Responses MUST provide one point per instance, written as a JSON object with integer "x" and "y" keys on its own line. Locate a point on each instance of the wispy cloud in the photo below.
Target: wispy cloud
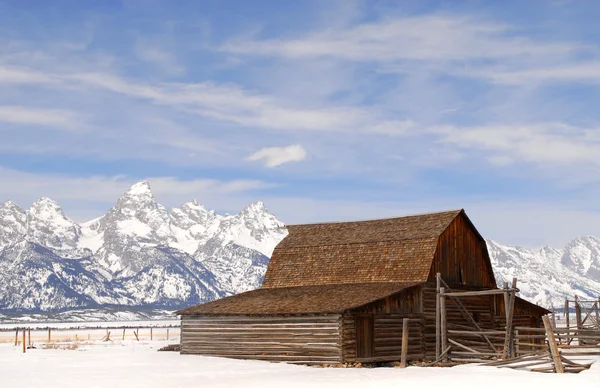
{"x": 540, "y": 143}
{"x": 427, "y": 37}
{"x": 276, "y": 156}
{"x": 56, "y": 118}
{"x": 149, "y": 51}
{"x": 23, "y": 186}
{"x": 224, "y": 102}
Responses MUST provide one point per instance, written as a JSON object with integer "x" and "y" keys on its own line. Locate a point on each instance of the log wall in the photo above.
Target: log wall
{"x": 387, "y": 338}
{"x": 388, "y": 314}
{"x": 306, "y": 339}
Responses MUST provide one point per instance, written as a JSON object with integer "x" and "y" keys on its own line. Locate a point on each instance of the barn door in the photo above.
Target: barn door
{"x": 365, "y": 340}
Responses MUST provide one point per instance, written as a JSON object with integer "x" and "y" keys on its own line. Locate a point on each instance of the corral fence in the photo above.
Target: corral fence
{"x": 514, "y": 345}
{"x": 31, "y": 337}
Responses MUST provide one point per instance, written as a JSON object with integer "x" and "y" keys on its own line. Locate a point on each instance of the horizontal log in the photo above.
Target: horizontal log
{"x": 241, "y": 330}
{"x": 262, "y": 350}
{"x": 262, "y": 317}
{"x": 476, "y": 333}
{"x": 417, "y": 356}
{"x": 276, "y": 357}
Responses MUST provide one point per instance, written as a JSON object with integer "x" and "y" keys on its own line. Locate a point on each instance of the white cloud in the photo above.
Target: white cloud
{"x": 539, "y": 73}
{"x": 12, "y": 75}
{"x": 276, "y": 156}
{"x": 537, "y": 143}
{"x": 58, "y": 118}
{"x": 223, "y": 102}
{"x": 25, "y": 187}
{"x": 426, "y": 37}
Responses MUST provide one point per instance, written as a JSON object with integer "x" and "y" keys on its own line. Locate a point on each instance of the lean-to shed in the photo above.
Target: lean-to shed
{"x": 338, "y": 292}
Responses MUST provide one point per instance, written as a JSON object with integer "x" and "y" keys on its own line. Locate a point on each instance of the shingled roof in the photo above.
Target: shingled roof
{"x": 321, "y": 299}
{"x": 396, "y": 250}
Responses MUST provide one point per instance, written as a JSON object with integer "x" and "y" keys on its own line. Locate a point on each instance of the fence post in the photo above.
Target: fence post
{"x": 24, "y": 341}
{"x": 578, "y": 320}
{"x": 404, "y": 342}
{"x": 509, "y": 303}
{"x": 29, "y": 336}
{"x": 151, "y": 334}
{"x": 17, "y": 337}
{"x": 567, "y": 321}
{"x": 49, "y": 335}
{"x": 444, "y": 330}
{"x": 167, "y": 334}
{"x": 558, "y": 366}
{"x": 598, "y": 313}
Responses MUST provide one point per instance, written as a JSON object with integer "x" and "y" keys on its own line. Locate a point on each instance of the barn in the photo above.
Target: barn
{"x": 338, "y": 292}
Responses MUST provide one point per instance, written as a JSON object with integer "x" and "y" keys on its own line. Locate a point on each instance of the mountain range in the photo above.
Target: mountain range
{"x": 137, "y": 254}
{"x": 140, "y": 254}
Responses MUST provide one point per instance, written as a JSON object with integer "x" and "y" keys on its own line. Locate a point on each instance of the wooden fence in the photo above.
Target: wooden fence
{"x": 472, "y": 342}
{"x": 29, "y": 337}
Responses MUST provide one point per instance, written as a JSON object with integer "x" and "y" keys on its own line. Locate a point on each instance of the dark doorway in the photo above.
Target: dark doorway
{"x": 364, "y": 337}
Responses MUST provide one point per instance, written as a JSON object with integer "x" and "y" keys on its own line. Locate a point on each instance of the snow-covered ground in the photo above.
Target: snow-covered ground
{"x": 139, "y": 364}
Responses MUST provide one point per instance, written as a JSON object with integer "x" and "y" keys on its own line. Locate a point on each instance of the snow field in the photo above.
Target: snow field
{"x": 138, "y": 364}
{"x": 90, "y": 332}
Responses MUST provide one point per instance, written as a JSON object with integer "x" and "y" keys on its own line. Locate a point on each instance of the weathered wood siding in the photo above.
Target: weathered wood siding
{"x": 462, "y": 257}
{"x": 387, "y": 314}
{"x": 309, "y": 339}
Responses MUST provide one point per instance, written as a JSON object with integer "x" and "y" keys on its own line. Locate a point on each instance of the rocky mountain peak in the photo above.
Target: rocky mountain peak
{"x": 10, "y": 205}
{"x": 13, "y": 223}
{"x": 583, "y": 256}
{"x": 137, "y": 197}
{"x": 48, "y": 226}
{"x": 46, "y": 208}
{"x": 9, "y": 208}
{"x": 255, "y": 207}
{"x": 140, "y": 189}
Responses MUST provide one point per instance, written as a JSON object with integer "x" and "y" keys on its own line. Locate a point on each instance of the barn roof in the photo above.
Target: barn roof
{"x": 388, "y": 250}
{"x": 320, "y": 299}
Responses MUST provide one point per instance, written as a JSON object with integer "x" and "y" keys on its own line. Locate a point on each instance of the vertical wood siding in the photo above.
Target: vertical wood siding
{"x": 461, "y": 256}
{"x": 307, "y": 339}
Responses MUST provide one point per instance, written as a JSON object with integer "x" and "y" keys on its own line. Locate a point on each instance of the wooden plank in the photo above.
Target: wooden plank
{"x": 404, "y": 342}
{"x": 463, "y": 346}
{"x": 558, "y": 366}
{"x": 480, "y": 293}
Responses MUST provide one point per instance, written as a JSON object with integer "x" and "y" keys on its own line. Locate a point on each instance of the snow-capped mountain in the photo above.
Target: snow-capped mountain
{"x": 550, "y": 275}
{"x": 137, "y": 254}
{"x": 141, "y": 254}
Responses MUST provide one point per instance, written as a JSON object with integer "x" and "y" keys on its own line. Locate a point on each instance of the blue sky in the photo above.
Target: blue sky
{"x": 324, "y": 110}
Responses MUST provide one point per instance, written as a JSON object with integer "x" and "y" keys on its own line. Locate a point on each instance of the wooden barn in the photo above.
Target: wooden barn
{"x": 338, "y": 292}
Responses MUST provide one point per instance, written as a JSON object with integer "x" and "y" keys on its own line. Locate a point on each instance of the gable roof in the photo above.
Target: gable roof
{"x": 321, "y": 299}
{"x": 397, "y": 250}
